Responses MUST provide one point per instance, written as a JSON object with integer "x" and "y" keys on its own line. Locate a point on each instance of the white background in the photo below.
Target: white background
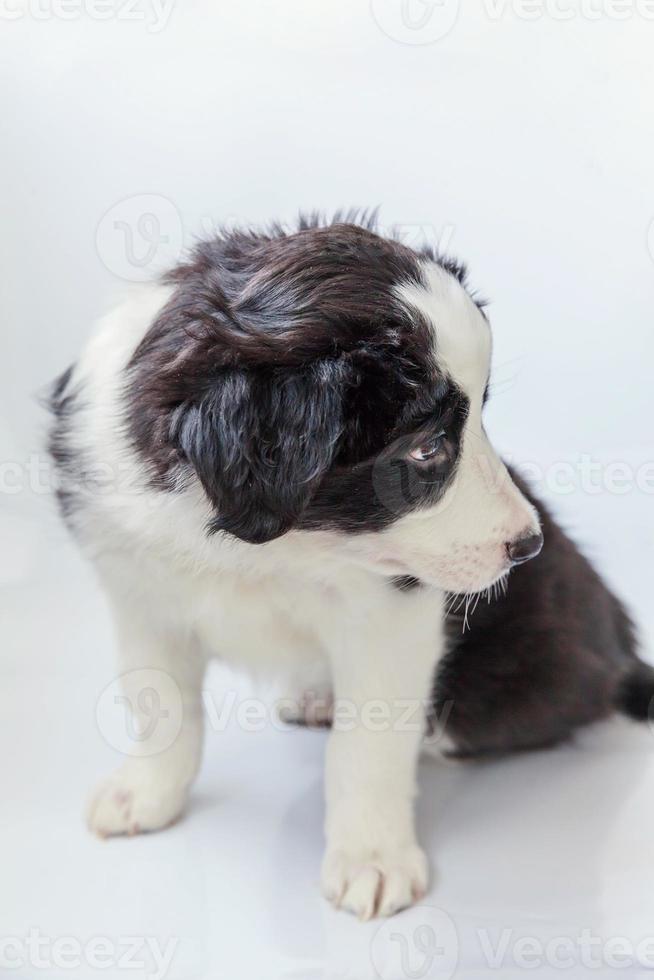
{"x": 521, "y": 140}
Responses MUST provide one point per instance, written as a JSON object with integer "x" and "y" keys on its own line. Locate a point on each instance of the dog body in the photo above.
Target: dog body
{"x": 277, "y": 458}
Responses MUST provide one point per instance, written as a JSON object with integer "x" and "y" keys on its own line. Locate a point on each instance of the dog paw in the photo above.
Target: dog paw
{"x": 131, "y": 801}
{"x": 371, "y": 883}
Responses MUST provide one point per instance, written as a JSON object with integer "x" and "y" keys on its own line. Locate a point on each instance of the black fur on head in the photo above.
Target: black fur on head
{"x": 260, "y": 441}
{"x": 281, "y": 364}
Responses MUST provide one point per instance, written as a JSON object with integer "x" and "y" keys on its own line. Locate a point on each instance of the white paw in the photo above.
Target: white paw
{"x": 133, "y": 800}
{"x": 370, "y": 883}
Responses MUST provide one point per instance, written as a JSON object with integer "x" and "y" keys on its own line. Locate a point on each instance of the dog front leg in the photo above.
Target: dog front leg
{"x": 383, "y": 672}
{"x": 158, "y": 703}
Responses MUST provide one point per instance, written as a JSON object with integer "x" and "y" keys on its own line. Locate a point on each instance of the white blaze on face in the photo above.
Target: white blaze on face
{"x": 460, "y": 543}
{"x": 462, "y": 337}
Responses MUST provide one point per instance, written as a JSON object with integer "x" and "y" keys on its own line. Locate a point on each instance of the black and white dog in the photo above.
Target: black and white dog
{"x": 303, "y": 483}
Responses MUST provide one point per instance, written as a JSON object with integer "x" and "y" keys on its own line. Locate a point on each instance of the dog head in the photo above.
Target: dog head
{"x": 331, "y": 379}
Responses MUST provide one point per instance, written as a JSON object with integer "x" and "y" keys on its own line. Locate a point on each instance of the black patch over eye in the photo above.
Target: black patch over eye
{"x": 376, "y": 491}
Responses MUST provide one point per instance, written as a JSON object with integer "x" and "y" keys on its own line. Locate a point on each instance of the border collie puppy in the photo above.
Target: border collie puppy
{"x": 276, "y": 457}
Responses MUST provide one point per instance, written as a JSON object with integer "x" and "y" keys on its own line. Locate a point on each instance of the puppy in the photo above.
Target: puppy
{"x": 276, "y": 457}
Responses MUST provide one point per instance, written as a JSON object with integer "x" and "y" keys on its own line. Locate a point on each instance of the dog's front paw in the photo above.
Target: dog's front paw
{"x": 133, "y": 800}
{"x": 369, "y": 882}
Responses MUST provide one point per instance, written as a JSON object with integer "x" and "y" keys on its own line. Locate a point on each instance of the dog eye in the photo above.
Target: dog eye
{"x": 429, "y": 449}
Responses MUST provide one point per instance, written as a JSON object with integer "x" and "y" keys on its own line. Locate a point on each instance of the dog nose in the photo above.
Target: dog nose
{"x": 522, "y": 549}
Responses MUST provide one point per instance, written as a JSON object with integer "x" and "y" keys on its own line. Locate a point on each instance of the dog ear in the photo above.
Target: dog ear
{"x": 260, "y": 440}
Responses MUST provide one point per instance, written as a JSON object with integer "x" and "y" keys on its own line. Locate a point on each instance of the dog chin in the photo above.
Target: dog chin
{"x": 443, "y": 573}
{"x": 453, "y": 582}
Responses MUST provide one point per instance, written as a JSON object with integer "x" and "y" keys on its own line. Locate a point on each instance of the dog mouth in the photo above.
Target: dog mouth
{"x": 455, "y": 580}
{"x": 468, "y": 575}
